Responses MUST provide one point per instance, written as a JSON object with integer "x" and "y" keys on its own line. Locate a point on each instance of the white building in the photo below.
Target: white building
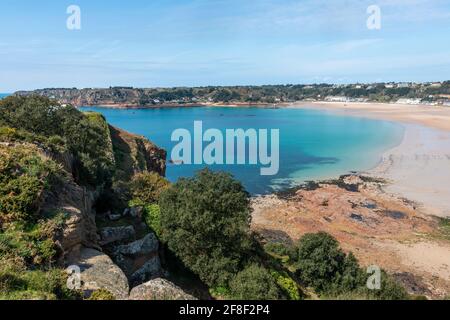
{"x": 336, "y": 99}
{"x": 408, "y": 101}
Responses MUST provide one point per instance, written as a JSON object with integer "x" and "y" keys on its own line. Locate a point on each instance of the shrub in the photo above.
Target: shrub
{"x": 86, "y": 136}
{"x": 287, "y": 285}
{"x": 283, "y": 252}
{"x": 254, "y": 283}
{"x": 320, "y": 260}
{"x": 390, "y": 290}
{"x": 205, "y": 221}
{"x": 35, "y": 284}
{"x": 146, "y": 187}
{"x": 152, "y": 217}
{"x": 325, "y": 267}
{"x": 24, "y": 175}
{"x": 102, "y": 294}
{"x": 221, "y": 292}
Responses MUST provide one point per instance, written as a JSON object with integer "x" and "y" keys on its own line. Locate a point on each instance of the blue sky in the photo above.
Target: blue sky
{"x": 221, "y": 42}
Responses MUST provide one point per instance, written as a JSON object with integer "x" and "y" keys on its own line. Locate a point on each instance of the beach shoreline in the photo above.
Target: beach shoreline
{"x": 417, "y": 169}
{"x": 415, "y": 189}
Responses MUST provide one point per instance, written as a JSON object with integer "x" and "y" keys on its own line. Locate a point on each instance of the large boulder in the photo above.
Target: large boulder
{"x": 111, "y": 235}
{"x": 98, "y": 271}
{"x": 80, "y": 228}
{"x": 159, "y": 289}
{"x": 147, "y": 245}
{"x": 139, "y": 259}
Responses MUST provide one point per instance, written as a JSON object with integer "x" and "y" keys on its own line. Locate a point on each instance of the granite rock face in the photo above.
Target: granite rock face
{"x": 110, "y": 235}
{"x": 98, "y": 271}
{"x": 139, "y": 259}
{"x": 159, "y": 289}
{"x": 80, "y": 228}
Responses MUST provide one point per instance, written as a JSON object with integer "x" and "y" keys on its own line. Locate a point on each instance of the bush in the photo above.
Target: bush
{"x": 320, "y": 260}
{"x": 205, "y": 221}
{"x": 254, "y": 283}
{"x": 147, "y": 187}
{"x": 287, "y": 285}
{"x": 325, "y": 267}
{"x": 282, "y": 252}
{"x": 102, "y": 294}
{"x": 36, "y": 284}
{"x": 390, "y": 290}
{"x": 24, "y": 175}
{"x": 152, "y": 217}
{"x": 87, "y": 136}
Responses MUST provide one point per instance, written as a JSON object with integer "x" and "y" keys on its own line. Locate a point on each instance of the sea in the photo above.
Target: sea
{"x": 313, "y": 144}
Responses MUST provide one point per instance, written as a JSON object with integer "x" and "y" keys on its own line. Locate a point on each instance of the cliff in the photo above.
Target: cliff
{"x": 58, "y": 169}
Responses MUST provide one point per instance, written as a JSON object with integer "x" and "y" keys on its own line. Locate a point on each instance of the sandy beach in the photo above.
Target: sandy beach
{"x": 419, "y": 168}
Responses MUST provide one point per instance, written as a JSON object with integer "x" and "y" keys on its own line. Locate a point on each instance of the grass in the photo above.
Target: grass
{"x": 444, "y": 228}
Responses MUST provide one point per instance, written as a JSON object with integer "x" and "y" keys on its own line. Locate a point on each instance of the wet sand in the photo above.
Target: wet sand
{"x": 419, "y": 168}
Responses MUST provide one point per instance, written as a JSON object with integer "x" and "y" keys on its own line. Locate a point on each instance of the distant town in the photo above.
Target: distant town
{"x": 428, "y": 93}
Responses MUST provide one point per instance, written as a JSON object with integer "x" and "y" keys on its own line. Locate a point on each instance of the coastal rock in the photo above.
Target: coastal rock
{"x": 147, "y": 245}
{"x": 99, "y": 272}
{"x": 159, "y": 289}
{"x": 136, "y": 212}
{"x": 137, "y": 155}
{"x": 139, "y": 259}
{"x": 110, "y": 235}
{"x": 151, "y": 269}
{"x": 353, "y": 180}
{"x": 80, "y": 228}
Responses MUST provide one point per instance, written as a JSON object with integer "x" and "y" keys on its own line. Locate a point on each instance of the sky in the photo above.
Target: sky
{"x": 151, "y": 43}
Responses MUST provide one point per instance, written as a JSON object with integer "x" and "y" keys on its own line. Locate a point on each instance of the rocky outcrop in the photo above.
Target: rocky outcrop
{"x": 136, "y": 154}
{"x": 139, "y": 259}
{"x": 98, "y": 271}
{"x": 110, "y": 235}
{"x": 80, "y": 228}
{"x": 159, "y": 289}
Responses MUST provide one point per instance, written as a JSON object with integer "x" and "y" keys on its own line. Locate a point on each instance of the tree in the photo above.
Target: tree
{"x": 205, "y": 221}
{"x": 254, "y": 283}
{"x": 320, "y": 260}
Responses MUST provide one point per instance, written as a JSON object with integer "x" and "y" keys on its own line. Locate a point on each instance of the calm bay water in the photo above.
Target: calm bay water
{"x": 4, "y": 95}
{"x": 313, "y": 144}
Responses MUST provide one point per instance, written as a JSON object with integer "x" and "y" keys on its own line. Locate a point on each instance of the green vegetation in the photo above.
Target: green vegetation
{"x": 146, "y": 188}
{"x": 324, "y": 266}
{"x": 61, "y": 127}
{"x": 28, "y": 248}
{"x": 20, "y": 284}
{"x": 288, "y": 285}
{"x": 444, "y": 227}
{"x": 24, "y": 175}
{"x": 152, "y": 217}
{"x": 43, "y": 136}
{"x": 284, "y": 253}
{"x": 102, "y": 294}
{"x": 205, "y": 221}
{"x": 267, "y": 94}
{"x": 254, "y": 283}
{"x": 332, "y": 273}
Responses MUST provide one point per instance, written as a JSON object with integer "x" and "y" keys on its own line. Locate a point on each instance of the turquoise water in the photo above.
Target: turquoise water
{"x": 3, "y": 95}
{"x": 313, "y": 144}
